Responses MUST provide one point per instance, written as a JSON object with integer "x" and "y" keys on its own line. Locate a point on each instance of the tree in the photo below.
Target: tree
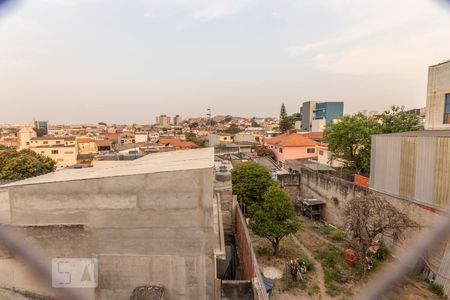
{"x": 275, "y": 218}
{"x": 283, "y": 113}
{"x": 350, "y": 140}
{"x": 193, "y": 125}
{"x": 250, "y": 181}
{"x": 3, "y": 147}
{"x": 264, "y": 151}
{"x": 289, "y": 122}
{"x": 254, "y": 123}
{"x": 398, "y": 120}
{"x": 233, "y": 129}
{"x": 368, "y": 219}
{"x": 192, "y": 137}
{"x": 24, "y": 164}
{"x": 102, "y": 123}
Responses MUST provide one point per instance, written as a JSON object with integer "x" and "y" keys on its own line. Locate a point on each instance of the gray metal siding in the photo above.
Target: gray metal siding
{"x": 386, "y": 169}
{"x": 425, "y": 163}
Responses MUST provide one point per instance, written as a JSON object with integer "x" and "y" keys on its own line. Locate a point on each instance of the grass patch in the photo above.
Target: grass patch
{"x": 333, "y": 233}
{"x": 312, "y": 290}
{"x": 334, "y": 268}
{"x": 436, "y": 288}
{"x": 337, "y": 235}
{"x": 264, "y": 251}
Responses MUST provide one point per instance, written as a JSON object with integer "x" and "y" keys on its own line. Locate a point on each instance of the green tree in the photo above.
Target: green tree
{"x": 288, "y": 122}
{"x": 193, "y": 125}
{"x": 398, "y": 120}
{"x": 250, "y": 182}
{"x": 233, "y": 129}
{"x": 3, "y": 147}
{"x": 275, "y": 218}
{"x": 283, "y": 113}
{"x": 349, "y": 140}
{"x": 24, "y": 164}
{"x": 192, "y": 137}
{"x": 254, "y": 123}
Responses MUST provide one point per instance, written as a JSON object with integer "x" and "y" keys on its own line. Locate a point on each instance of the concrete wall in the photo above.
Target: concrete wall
{"x": 438, "y": 87}
{"x": 337, "y": 192}
{"x": 144, "y": 229}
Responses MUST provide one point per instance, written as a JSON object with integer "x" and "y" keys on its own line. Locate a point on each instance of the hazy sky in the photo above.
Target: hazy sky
{"x": 71, "y": 61}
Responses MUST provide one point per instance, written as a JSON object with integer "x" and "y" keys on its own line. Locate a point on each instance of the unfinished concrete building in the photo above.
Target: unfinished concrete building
{"x": 154, "y": 226}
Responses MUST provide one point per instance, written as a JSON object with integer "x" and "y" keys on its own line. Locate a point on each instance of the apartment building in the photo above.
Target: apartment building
{"x": 315, "y": 115}
{"x": 437, "y": 114}
{"x": 63, "y": 150}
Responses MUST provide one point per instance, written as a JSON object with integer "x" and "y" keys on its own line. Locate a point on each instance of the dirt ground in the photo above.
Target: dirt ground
{"x": 304, "y": 243}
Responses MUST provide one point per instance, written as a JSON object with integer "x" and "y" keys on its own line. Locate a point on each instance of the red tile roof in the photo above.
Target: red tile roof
{"x": 291, "y": 140}
{"x": 102, "y": 143}
{"x": 179, "y": 144}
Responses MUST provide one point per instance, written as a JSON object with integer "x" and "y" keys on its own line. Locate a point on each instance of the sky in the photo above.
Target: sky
{"x": 76, "y": 61}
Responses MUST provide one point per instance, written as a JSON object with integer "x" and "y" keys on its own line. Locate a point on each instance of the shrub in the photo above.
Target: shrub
{"x": 337, "y": 235}
{"x": 309, "y": 264}
{"x": 436, "y": 288}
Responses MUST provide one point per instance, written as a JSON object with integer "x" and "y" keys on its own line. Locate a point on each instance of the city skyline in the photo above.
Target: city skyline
{"x": 124, "y": 63}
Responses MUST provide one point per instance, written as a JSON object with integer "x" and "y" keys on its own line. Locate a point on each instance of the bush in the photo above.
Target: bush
{"x": 315, "y": 289}
{"x": 24, "y": 164}
{"x": 436, "y": 288}
{"x": 337, "y": 235}
{"x": 309, "y": 264}
{"x": 382, "y": 253}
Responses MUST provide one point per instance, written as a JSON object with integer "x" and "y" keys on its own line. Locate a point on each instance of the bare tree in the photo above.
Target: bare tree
{"x": 369, "y": 219}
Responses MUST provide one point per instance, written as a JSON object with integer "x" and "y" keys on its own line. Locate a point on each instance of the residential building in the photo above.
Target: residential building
{"x": 25, "y": 135}
{"x": 326, "y": 157}
{"x": 141, "y": 137}
{"x": 63, "y": 150}
{"x": 154, "y": 220}
{"x": 126, "y": 138}
{"x": 215, "y": 139}
{"x": 163, "y": 120}
{"x": 438, "y": 97}
{"x": 177, "y": 143}
{"x": 177, "y": 120}
{"x": 292, "y": 146}
{"x": 103, "y": 145}
{"x": 86, "y": 146}
{"x": 315, "y": 110}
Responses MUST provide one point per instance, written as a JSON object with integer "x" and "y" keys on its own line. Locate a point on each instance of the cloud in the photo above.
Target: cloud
{"x": 382, "y": 37}
{"x": 202, "y": 10}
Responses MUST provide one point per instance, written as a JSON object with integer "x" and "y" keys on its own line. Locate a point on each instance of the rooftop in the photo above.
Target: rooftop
{"x": 429, "y": 133}
{"x": 291, "y": 140}
{"x": 154, "y": 163}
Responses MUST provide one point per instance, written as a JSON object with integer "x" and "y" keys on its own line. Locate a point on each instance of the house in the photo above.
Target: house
{"x": 215, "y": 139}
{"x": 292, "y": 146}
{"x": 63, "y": 150}
{"x": 177, "y": 143}
{"x": 103, "y": 145}
{"x": 325, "y": 156}
{"x": 141, "y": 137}
{"x": 86, "y": 146}
{"x": 127, "y": 138}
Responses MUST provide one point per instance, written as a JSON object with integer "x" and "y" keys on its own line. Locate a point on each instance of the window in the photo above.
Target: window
{"x": 55, "y": 151}
{"x": 58, "y": 142}
{"x": 447, "y": 109}
{"x": 45, "y": 142}
{"x": 28, "y": 143}
{"x": 280, "y": 150}
{"x": 311, "y": 150}
{"x": 320, "y": 152}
